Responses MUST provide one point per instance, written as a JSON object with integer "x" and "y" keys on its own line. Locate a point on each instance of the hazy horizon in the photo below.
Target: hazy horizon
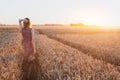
{"x": 102, "y": 12}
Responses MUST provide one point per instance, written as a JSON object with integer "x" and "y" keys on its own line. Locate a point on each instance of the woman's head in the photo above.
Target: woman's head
{"x": 27, "y": 23}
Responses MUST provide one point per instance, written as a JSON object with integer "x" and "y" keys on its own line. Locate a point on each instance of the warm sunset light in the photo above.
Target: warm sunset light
{"x": 91, "y": 21}
{"x": 60, "y": 40}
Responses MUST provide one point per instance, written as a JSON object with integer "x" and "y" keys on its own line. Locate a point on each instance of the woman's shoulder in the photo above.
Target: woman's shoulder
{"x": 27, "y": 29}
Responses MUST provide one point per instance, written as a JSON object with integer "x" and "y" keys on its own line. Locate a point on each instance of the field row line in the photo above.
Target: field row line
{"x": 79, "y": 47}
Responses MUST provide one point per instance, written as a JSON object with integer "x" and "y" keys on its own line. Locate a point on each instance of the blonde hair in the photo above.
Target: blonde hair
{"x": 27, "y": 23}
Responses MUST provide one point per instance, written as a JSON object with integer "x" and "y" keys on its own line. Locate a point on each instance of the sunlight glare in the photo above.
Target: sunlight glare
{"x": 90, "y": 21}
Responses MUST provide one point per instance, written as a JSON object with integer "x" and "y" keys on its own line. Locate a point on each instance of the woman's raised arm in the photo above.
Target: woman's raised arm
{"x": 20, "y": 24}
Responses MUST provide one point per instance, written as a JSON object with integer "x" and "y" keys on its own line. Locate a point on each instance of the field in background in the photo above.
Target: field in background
{"x": 65, "y": 53}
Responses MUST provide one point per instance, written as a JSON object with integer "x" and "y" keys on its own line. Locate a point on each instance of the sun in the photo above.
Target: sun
{"x": 95, "y": 21}
{"x": 90, "y": 21}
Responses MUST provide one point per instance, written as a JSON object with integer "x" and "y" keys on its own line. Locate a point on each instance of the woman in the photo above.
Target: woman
{"x": 28, "y": 42}
{"x": 30, "y": 63}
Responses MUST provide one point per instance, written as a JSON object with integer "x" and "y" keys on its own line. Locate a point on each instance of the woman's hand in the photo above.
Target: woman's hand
{"x": 20, "y": 20}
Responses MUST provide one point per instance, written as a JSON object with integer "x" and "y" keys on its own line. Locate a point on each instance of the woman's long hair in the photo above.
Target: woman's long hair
{"x": 27, "y": 23}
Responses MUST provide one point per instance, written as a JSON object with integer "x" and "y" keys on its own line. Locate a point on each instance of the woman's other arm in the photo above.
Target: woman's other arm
{"x": 33, "y": 40}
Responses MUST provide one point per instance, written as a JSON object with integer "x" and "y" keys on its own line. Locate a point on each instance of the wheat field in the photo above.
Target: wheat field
{"x": 65, "y": 53}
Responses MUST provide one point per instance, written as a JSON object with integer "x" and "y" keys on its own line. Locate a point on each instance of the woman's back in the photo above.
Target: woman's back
{"x": 28, "y": 41}
{"x": 27, "y": 34}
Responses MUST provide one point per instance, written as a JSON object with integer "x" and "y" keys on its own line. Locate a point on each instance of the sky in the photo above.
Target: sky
{"x": 98, "y": 12}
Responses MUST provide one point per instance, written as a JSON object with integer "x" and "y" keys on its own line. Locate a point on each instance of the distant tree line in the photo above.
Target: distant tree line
{"x": 2, "y": 24}
{"x": 53, "y": 25}
{"x": 77, "y": 24}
